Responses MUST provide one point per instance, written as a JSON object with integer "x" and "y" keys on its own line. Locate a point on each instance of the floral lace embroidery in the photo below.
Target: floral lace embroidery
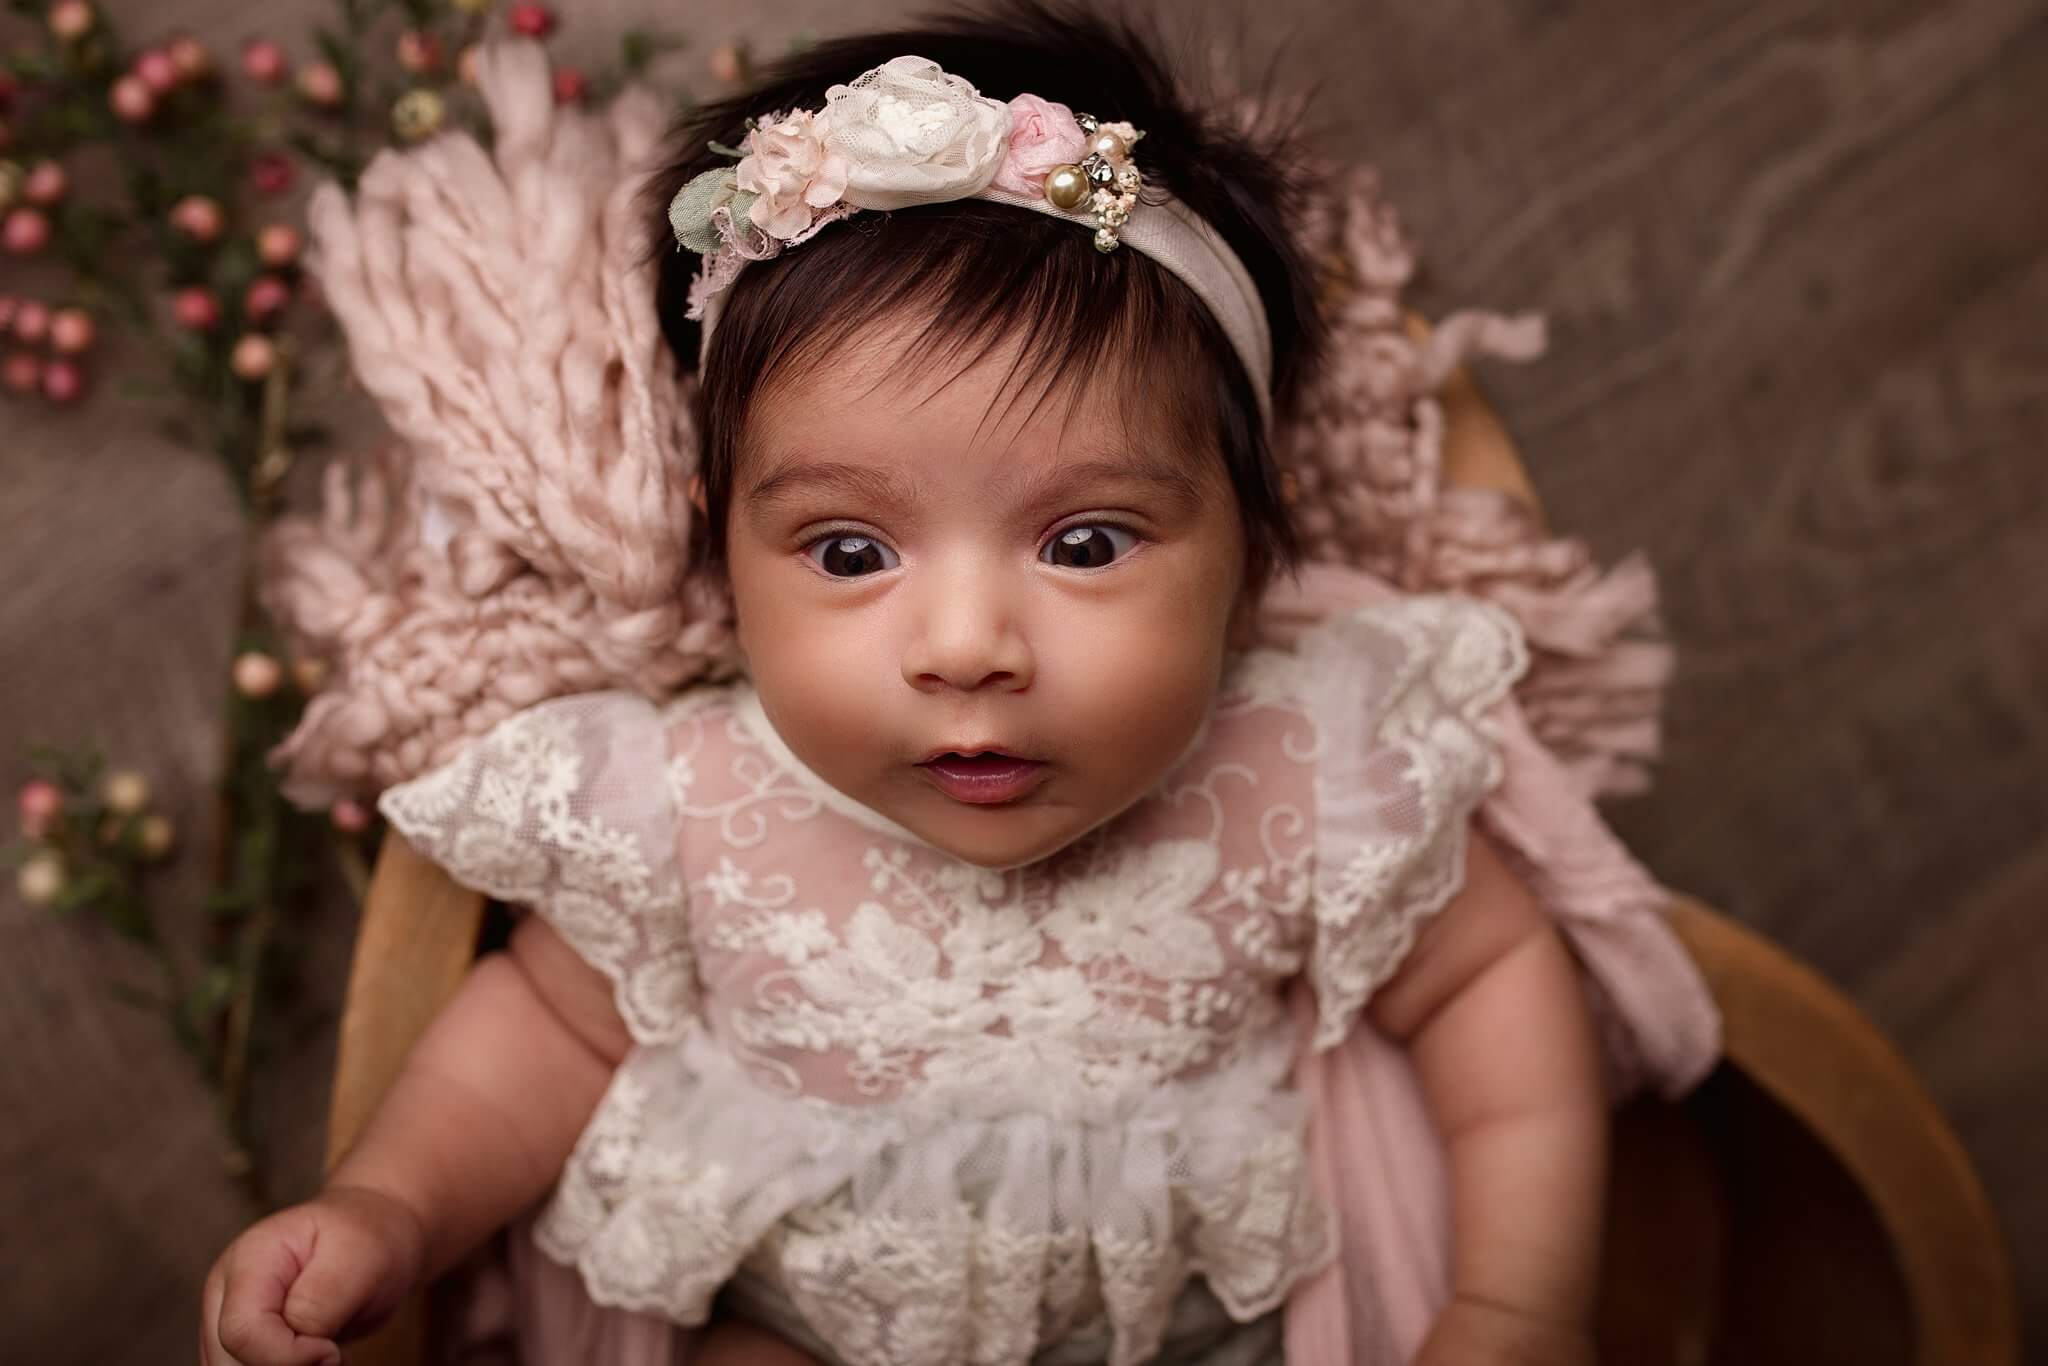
{"x": 1103, "y": 970}
{"x": 1398, "y": 692}
{"x": 548, "y": 811}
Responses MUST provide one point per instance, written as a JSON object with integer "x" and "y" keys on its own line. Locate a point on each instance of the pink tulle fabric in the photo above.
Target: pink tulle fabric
{"x": 526, "y": 534}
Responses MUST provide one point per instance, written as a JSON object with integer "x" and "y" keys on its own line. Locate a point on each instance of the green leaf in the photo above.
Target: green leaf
{"x": 689, "y": 214}
{"x": 83, "y": 890}
{"x": 638, "y": 48}
{"x": 338, "y": 51}
{"x": 635, "y": 50}
{"x": 130, "y": 918}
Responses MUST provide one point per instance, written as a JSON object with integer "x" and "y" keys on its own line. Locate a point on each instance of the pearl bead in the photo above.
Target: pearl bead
{"x": 1109, "y": 145}
{"x": 1066, "y": 187}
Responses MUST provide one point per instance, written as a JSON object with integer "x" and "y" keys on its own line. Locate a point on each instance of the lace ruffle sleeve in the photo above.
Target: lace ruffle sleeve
{"x": 1398, "y": 692}
{"x": 565, "y": 808}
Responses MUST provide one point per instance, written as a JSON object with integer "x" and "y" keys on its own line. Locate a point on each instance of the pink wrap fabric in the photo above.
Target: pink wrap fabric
{"x": 497, "y": 307}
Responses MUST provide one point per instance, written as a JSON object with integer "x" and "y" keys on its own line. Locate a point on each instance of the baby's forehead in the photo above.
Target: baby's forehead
{"x": 896, "y": 386}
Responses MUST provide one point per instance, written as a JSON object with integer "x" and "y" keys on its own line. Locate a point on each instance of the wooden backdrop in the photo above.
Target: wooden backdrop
{"x": 1796, "y": 258}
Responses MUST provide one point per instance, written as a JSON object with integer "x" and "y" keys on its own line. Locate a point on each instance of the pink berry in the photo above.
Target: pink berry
{"x": 278, "y": 244}
{"x": 22, "y": 371}
{"x": 320, "y": 83}
{"x": 252, "y": 359}
{"x": 309, "y": 673}
{"x": 63, "y": 381}
{"x": 419, "y": 52}
{"x": 530, "y": 20}
{"x": 125, "y": 792}
{"x": 265, "y": 298}
{"x": 70, "y": 20}
{"x": 263, "y": 61}
{"x": 271, "y": 172}
{"x": 569, "y": 85}
{"x": 9, "y": 306}
{"x": 42, "y": 879}
{"x": 189, "y": 58}
{"x": 71, "y": 332}
{"x": 131, "y": 100}
{"x": 349, "y": 817}
{"x": 726, "y": 64}
{"x": 26, "y": 232}
{"x": 198, "y": 217}
{"x": 45, "y": 184}
{"x": 155, "y": 69}
{"x": 257, "y": 675}
{"x": 31, "y": 321}
{"x": 196, "y": 308}
{"x": 155, "y": 836}
{"x": 41, "y": 803}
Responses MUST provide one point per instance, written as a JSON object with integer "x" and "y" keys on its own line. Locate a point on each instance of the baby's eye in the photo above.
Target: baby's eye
{"x": 850, "y": 557}
{"x": 1089, "y": 545}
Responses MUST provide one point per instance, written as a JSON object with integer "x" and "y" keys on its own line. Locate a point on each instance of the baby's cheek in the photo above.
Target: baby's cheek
{"x": 820, "y": 699}
{"x": 1148, "y": 691}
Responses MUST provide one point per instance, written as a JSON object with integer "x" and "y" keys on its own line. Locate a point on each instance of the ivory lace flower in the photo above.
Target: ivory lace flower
{"x": 914, "y": 134}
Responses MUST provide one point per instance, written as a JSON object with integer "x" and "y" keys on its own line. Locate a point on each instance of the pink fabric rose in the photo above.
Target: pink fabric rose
{"x": 1043, "y": 135}
{"x": 788, "y": 167}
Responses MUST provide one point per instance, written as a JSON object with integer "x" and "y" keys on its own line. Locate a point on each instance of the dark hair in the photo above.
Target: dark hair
{"x": 982, "y": 273}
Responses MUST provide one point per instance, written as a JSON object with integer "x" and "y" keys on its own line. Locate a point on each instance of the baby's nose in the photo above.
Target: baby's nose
{"x": 968, "y": 637}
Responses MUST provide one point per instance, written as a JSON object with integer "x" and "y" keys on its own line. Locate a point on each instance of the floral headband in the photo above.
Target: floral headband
{"x": 908, "y": 133}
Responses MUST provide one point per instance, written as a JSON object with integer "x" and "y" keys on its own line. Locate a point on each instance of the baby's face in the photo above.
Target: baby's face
{"x": 917, "y": 569}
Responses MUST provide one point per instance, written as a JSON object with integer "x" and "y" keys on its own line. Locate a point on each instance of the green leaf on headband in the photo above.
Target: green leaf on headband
{"x": 689, "y": 213}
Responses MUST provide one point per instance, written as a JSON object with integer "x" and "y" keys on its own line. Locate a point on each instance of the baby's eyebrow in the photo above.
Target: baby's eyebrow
{"x": 860, "y": 483}
{"x": 1016, "y": 486}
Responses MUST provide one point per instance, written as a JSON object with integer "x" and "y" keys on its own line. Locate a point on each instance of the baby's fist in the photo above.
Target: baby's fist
{"x": 294, "y": 1284}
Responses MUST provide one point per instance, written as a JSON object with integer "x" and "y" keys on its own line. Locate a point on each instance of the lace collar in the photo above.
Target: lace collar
{"x": 754, "y": 718}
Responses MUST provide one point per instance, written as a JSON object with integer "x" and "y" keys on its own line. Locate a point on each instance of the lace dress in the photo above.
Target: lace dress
{"x": 952, "y": 1114}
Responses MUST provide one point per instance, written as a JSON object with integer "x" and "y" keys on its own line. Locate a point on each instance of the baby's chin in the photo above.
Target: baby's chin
{"x": 1000, "y": 838}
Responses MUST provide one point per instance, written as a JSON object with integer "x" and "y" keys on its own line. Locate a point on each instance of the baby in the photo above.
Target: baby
{"x": 938, "y": 991}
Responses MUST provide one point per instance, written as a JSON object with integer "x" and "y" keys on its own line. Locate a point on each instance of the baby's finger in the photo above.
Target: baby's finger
{"x": 211, "y": 1353}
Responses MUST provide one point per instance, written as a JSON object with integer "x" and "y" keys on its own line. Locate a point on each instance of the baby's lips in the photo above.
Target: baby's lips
{"x": 995, "y": 751}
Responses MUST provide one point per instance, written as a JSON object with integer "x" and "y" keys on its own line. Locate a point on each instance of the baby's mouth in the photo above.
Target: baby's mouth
{"x": 986, "y": 777}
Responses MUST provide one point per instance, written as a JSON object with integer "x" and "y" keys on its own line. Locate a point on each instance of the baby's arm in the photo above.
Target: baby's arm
{"x": 1490, "y": 1006}
{"x": 475, "y": 1129}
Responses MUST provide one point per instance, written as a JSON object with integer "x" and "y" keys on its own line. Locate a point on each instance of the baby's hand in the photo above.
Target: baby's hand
{"x": 1476, "y": 1333}
{"x": 293, "y": 1284}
